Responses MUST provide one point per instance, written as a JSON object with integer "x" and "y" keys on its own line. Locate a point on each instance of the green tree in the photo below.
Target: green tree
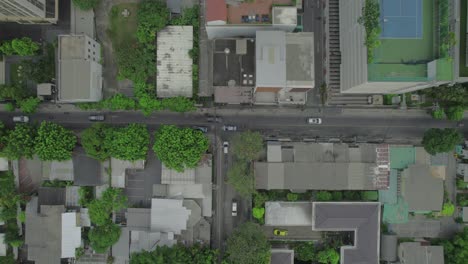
{"x": 12, "y": 92}
{"x": 323, "y": 196}
{"x": 441, "y": 140}
{"x": 43, "y": 69}
{"x": 448, "y": 209}
{"x": 258, "y": 212}
{"x": 25, "y": 46}
{"x": 438, "y": 113}
{"x": 292, "y": 197}
{"x": 135, "y": 61}
{"x": 178, "y": 104}
{"x": 86, "y": 195}
{"x": 456, "y": 249}
{"x": 455, "y": 95}
{"x": 241, "y": 178}
{"x": 54, "y": 142}
{"x": 93, "y": 141}
{"x": 100, "y": 209}
{"x": 20, "y": 142}
{"x": 247, "y": 145}
{"x": 455, "y": 113}
{"x": 180, "y": 148}
{"x": 371, "y": 22}
{"x": 195, "y": 254}
{"x": 101, "y": 238}
{"x": 129, "y": 143}
{"x": 248, "y": 245}
{"x": 305, "y": 251}
{"x": 152, "y": 16}
{"x": 29, "y": 105}
{"x": 328, "y": 256}
{"x": 86, "y": 4}
{"x": 119, "y": 102}
{"x": 10, "y": 107}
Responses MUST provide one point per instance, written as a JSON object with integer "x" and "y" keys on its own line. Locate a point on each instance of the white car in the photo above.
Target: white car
{"x": 234, "y": 208}
{"x": 20, "y": 119}
{"x": 229, "y": 128}
{"x": 314, "y": 120}
{"x": 225, "y": 147}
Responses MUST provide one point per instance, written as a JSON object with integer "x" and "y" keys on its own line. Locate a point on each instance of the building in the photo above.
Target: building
{"x": 405, "y": 61}
{"x": 89, "y": 171}
{"x": 282, "y": 256}
{"x": 82, "y": 22}
{"x": 227, "y": 19}
{"x": 174, "y": 74}
{"x": 361, "y": 217}
{"x": 462, "y": 170}
{"x": 322, "y": 166}
{"x": 79, "y": 69}
{"x": 288, "y": 214}
{"x": 388, "y": 248}
{"x": 417, "y": 253}
{"x": 119, "y": 168}
{"x": 29, "y": 12}
{"x": 71, "y": 234}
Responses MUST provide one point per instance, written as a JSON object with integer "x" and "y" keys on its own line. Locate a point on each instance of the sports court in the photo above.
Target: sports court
{"x": 401, "y": 19}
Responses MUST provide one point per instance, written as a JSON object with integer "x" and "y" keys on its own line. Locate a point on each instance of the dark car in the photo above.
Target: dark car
{"x": 215, "y": 119}
{"x": 96, "y": 118}
{"x": 201, "y": 128}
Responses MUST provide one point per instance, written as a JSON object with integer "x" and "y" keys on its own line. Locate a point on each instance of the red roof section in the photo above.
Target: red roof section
{"x": 216, "y": 10}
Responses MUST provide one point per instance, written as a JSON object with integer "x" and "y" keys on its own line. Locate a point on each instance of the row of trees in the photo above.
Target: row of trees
{"x": 20, "y": 97}
{"x": 195, "y": 254}
{"x": 371, "y": 22}
{"x": 451, "y": 100}
{"x": 105, "y": 233}
{"x": 308, "y": 251}
{"x": 9, "y": 201}
{"x": 177, "y": 148}
{"x": 50, "y": 142}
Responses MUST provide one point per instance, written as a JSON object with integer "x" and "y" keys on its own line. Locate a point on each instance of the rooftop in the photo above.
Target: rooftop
{"x": 168, "y": 215}
{"x": 414, "y": 252}
{"x": 71, "y": 234}
{"x": 236, "y": 10}
{"x": 361, "y": 217}
{"x": 88, "y": 170}
{"x": 288, "y": 213}
{"x": 174, "y": 74}
{"x": 51, "y": 196}
{"x": 282, "y": 256}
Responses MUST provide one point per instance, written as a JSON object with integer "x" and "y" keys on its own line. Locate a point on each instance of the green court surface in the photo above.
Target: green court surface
{"x": 393, "y": 53}
{"x": 444, "y": 70}
{"x": 463, "y": 29}
{"x": 396, "y": 213}
{"x": 401, "y": 157}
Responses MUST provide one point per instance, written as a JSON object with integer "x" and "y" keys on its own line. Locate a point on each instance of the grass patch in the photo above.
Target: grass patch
{"x": 123, "y": 29}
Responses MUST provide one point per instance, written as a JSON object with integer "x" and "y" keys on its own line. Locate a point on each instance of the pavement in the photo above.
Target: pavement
{"x": 299, "y": 233}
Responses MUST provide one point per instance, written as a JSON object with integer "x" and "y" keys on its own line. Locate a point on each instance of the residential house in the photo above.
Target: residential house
{"x": 417, "y": 253}
{"x": 405, "y": 61}
{"x": 89, "y": 171}
{"x": 284, "y": 67}
{"x": 388, "y": 248}
{"x": 361, "y": 217}
{"x": 282, "y": 256}
{"x": 174, "y": 74}
{"x": 227, "y": 19}
{"x": 288, "y": 214}
{"x": 323, "y": 166}
{"x": 71, "y": 234}
{"x": 79, "y": 77}
{"x": 119, "y": 168}
{"x": 462, "y": 170}
{"x": 29, "y": 12}
{"x": 82, "y": 22}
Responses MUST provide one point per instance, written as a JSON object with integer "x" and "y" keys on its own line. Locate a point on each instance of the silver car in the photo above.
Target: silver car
{"x": 314, "y": 120}
{"x": 20, "y": 119}
{"x": 96, "y": 118}
{"x": 229, "y": 128}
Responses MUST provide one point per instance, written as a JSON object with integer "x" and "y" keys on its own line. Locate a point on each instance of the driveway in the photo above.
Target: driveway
{"x": 304, "y": 233}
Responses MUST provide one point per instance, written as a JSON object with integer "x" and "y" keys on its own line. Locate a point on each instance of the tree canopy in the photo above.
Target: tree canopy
{"x": 241, "y": 178}
{"x": 455, "y": 113}
{"x": 248, "y": 245}
{"x": 441, "y": 140}
{"x": 92, "y": 140}
{"x": 456, "y": 249}
{"x": 305, "y": 251}
{"x": 54, "y": 142}
{"x": 129, "y": 143}
{"x": 86, "y": 4}
{"x": 328, "y": 256}
{"x": 152, "y": 16}
{"x": 101, "y": 209}
{"x": 195, "y": 254}
{"x": 20, "y": 142}
{"x": 179, "y": 148}
{"x": 103, "y": 237}
{"x": 12, "y": 92}
{"x": 20, "y": 46}
{"x": 29, "y": 105}
{"x": 247, "y": 145}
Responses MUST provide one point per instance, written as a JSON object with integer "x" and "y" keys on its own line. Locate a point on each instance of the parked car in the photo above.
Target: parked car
{"x": 229, "y": 128}
{"x": 234, "y": 208}
{"x": 96, "y": 118}
{"x": 215, "y": 119}
{"x": 21, "y": 119}
{"x": 201, "y": 128}
{"x": 314, "y": 120}
{"x": 280, "y": 232}
{"x": 225, "y": 147}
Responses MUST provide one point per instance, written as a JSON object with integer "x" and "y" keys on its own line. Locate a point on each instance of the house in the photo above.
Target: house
{"x": 405, "y": 61}
{"x": 71, "y": 234}
{"x": 284, "y": 67}
{"x": 227, "y": 19}
{"x": 361, "y": 217}
{"x": 462, "y": 170}
{"x": 119, "y": 168}
{"x": 174, "y": 74}
{"x": 43, "y": 232}
{"x": 422, "y": 177}
{"x": 388, "y": 248}
{"x": 322, "y": 166}
{"x": 51, "y": 196}
{"x": 82, "y": 22}
{"x": 89, "y": 171}
{"x": 79, "y": 77}
{"x": 465, "y": 214}
{"x": 29, "y": 12}
{"x": 416, "y": 253}
{"x": 282, "y": 256}
{"x": 288, "y": 214}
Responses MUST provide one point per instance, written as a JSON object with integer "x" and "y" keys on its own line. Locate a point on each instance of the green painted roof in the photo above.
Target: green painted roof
{"x": 396, "y": 213}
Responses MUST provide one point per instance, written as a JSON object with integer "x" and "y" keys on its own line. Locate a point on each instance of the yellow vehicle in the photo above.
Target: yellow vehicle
{"x": 279, "y": 232}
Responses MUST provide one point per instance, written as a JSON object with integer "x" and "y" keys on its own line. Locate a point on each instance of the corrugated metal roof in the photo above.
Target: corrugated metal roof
{"x": 353, "y": 51}
{"x": 414, "y": 252}
{"x": 270, "y": 53}
{"x": 388, "y": 249}
{"x": 168, "y": 215}
{"x": 174, "y": 65}
{"x": 284, "y": 15}
{"x": 169, "y": 176}
{"x": 288, "y": 213}
{"x": 417, "y": 178}
{"x": 71, "y": 235}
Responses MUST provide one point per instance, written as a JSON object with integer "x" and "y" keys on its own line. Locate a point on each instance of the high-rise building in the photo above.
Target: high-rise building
{"x": 29, "y": 11}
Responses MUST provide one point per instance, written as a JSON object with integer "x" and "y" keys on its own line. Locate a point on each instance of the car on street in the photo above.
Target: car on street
{"x": 20, "y": 119}
{"x": 225, "y": 147}
{"x": 214, "y": 119}
{"x": 234, "y": 208}
{"x": 229, "y": 128}
{"x": 96, "y": 118}
{"x": 314, "y": 120}
{"x": 280, "y": 232}
{"x": 203, "y": 129}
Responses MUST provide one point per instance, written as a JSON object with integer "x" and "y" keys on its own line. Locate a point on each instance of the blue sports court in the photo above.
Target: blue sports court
{"x": 401, "y": 19}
